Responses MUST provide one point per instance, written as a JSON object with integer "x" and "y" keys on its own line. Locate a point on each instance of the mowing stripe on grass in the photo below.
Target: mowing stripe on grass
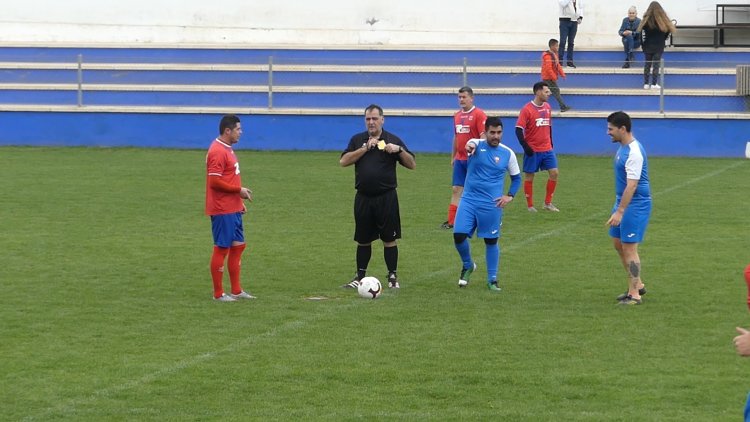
{"x": 598, "y": 215}
{"x": 69, "y": 407}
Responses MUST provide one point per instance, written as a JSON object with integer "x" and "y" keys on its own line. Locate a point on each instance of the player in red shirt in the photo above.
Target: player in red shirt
{"x": 224, "y": 195}
{"x": 534, "y": 132}
{"x": 468, "y": 123}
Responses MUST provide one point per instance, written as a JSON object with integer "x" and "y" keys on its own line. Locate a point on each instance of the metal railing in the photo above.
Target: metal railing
{"x": 487, "y": 78}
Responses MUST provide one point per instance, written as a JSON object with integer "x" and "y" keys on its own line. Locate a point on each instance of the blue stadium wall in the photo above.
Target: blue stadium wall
{"x": 586, "y": 136}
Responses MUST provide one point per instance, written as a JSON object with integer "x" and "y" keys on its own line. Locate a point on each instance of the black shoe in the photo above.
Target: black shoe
{"x": 446, "y": 225}
{"x": 571, "y": 64}
{"x": 626, "y": 65}
{"x": 352, "y": 284}
{"x": 641, "y": 291}
{"x": 629, "y": 300}
{"x": 564, "y": 109}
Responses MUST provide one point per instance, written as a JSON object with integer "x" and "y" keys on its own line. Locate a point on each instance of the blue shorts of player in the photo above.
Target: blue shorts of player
{"x": 227, "y": 228}
{"x": 632, "y": 228}
{"x": 459, "y": 172}
{"x": 486, "y": 219}
{"x": 539, "y": 161}
{"x": 747, "y": 409}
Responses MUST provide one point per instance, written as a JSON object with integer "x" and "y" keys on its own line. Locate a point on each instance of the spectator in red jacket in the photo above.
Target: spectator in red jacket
{"x": 551, "y": 69}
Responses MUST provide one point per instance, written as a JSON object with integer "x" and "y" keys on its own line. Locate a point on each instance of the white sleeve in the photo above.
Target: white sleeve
{"x": 513, "y": 168}
{"x": 634, "y": 164}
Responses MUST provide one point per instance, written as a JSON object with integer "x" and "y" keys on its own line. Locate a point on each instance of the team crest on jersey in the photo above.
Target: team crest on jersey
{"x": 497, "y": 160}
{"x": 542, "y": 121}
{"x": 462, "y": 129}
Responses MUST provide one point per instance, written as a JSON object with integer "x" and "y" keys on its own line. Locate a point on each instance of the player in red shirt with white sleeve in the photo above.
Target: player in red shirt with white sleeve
{"x": 534, "y": 132}
{"x": 224, "y": 195}
{"x": 468, "y": 123}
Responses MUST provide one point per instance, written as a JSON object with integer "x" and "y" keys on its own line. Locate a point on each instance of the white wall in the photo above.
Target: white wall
{"x": 438, "y": 23}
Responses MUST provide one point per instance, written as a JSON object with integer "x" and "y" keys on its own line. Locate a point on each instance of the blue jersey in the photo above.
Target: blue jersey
{"x": 631, "y": 163}
{"x": 485, "y": 176}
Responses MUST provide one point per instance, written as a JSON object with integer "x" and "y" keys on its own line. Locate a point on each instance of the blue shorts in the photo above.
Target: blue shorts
{"x": 747, "y": 409}
{"x": 459, "y": 172}
{"x": 539, "y": 161}
{"x": 632, "y": 228}
{"x": 227, "y": 228}
{"x": 485, "y": 219}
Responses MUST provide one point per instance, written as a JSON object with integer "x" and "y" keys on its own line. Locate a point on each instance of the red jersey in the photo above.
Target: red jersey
{"x": 221, "y": 162}
{"x": 467, "y": 125}
{"x": 536, "y": 122}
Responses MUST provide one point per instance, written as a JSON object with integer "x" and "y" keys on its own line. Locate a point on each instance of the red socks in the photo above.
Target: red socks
{"x": 528, "y": 190}
{"x": 747, "y": 280}
{"x": 234, "y": 263}
{"x": 551, "y": 185}
{"x": 217, "y": 269}
{"x": 452, "y": 213}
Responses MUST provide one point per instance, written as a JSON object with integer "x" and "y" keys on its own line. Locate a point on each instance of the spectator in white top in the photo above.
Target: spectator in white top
{"x": 571, "y": 15}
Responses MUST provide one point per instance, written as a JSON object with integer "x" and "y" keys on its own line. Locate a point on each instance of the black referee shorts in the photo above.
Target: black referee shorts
{"x": 377, "y": 217}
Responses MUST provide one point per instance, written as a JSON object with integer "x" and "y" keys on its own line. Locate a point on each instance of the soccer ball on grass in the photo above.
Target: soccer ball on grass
{"x": 369, "y": 288}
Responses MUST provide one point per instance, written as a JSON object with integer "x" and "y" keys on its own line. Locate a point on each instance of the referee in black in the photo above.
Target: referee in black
{"x": 374, "y": 154}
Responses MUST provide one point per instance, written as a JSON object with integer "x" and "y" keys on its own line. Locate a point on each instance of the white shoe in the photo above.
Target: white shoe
{"x": 532, "y": 209}
{"x": 225, "y": 298}
{"x": 550, "y": 207}
{"x": 646, "y": 86}
{"x": 655, "y": 86}
{"x": 242, "y": 295}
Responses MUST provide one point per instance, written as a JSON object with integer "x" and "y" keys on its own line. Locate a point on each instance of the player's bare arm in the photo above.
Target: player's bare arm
{"x": 742, "y": 342}
{"x": 470, "y": 148}
{"x": 502, "y": 201}
{"x": 246, "y": 193}
{"x": 627, "y": 196}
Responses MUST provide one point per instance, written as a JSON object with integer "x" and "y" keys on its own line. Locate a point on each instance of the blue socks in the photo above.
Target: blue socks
{"x": 464, "y": 250}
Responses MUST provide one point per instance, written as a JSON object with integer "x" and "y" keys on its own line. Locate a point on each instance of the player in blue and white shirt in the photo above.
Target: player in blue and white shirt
{"x": 632, "y": 209}
{"x": 482, "y": 201}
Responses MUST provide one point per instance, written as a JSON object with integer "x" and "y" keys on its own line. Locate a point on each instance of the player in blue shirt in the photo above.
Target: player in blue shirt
{"x": 632, "y": 209}
{"x": 482, "y": 201}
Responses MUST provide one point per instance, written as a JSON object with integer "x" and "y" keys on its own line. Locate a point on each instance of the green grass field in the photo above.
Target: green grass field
{"x": 106, "y": 311}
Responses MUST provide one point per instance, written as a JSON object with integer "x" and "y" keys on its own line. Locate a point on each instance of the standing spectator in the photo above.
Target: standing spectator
{"x": 551, "y": 69}
{"x": 483, "y": 200}
{"x": 374, "y": 154}
{"x": 655, "y": 29}
{"x": 224, "y": 195}
{"x": 534, "y": 133}
{"x": 631, "y": 38}
{"x": 632, "y": 209}
{"x": 571, "y": 15}
{"x": 468, "y": 123}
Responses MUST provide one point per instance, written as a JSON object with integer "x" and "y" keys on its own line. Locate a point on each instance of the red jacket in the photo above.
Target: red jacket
{"x": 551, "y": 66}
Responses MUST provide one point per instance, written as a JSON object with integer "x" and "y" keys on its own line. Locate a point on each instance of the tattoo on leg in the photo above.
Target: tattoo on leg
{"x": 635, "y": 269}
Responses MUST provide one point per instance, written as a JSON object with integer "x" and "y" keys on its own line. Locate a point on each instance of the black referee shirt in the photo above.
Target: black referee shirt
{"x": 375, "y": 172}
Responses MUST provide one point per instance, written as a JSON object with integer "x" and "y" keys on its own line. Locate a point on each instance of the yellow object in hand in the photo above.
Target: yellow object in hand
{"x": 381, "y": 145}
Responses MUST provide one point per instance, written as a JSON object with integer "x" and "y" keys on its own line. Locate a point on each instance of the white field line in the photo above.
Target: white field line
{"x": 605, "y": 213}
{"x": 69, "y": 407}
{"x": 601, "y": 215}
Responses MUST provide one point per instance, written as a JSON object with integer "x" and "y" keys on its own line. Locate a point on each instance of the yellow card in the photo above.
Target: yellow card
{"x": 381, "y": 145}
